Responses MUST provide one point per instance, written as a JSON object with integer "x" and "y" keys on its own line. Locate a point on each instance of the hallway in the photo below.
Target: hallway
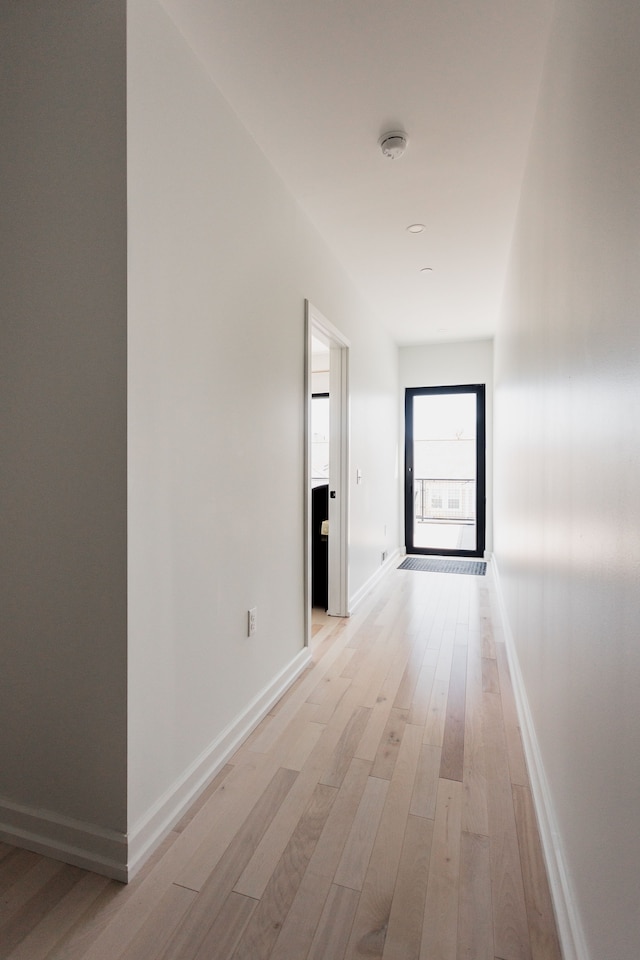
{"x": 382, "y": 809}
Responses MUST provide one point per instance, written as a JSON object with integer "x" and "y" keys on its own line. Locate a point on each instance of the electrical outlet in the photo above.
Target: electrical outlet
{"x": 252, "y": 621}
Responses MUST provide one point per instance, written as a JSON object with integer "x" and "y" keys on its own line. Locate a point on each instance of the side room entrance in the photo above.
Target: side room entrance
{"x": 327, "y": 467}
{"x": 445, "y": 487}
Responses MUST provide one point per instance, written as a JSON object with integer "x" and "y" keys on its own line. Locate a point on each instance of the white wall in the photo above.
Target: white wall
{"x": 220, "y": 263}
{"x": 568, "y": 459}
{"x": 449, "y": 364}
{"x": 63, "y": 401}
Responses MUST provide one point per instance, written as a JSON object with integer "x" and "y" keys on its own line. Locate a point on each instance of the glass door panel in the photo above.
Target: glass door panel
{"x": 444, "y": 477}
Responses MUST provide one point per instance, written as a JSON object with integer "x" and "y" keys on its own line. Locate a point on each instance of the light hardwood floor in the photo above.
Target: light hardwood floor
{"x": 382, "y": 809}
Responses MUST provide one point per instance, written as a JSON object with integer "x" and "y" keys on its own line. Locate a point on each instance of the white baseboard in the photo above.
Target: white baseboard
{"x": 72, "y": 841}
{"x": 120, "y": 856}
{"x": 150, "y": 830}
{"x": 360, "y": 594}
{"x": 570, "y": 932}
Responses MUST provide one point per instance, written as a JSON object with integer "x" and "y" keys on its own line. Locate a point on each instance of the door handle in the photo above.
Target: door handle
{"x": 332, "y": 494}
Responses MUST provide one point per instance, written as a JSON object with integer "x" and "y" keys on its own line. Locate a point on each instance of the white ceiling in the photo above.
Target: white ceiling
{"x": 316, "y": 83}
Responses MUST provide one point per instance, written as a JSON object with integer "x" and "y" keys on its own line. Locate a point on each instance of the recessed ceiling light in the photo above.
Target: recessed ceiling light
{"x": 415, "y": 228}
{"x": 426, "y": 269}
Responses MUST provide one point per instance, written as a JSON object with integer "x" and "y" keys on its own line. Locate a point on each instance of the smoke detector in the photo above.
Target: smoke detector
{"x": 393, "y": 144}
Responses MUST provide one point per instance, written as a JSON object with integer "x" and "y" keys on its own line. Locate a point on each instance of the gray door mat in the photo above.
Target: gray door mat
{"x": 476, "y": 568}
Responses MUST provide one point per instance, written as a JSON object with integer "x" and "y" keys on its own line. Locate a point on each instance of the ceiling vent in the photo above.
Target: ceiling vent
{"x": 393, "y": 144}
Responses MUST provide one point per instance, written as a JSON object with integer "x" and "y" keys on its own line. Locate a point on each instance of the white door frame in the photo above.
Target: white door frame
{"x": 338, "y": 599}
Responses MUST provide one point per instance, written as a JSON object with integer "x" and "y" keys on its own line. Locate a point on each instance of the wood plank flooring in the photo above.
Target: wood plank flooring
{"x": 382, "y": 809}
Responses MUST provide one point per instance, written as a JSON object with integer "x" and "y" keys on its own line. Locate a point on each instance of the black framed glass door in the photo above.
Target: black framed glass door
{"x": 445, "y": 487}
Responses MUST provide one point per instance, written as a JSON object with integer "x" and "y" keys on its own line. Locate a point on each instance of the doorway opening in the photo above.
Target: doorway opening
{"x": 445, "y": 487}
{"x": 327, "y": 467}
